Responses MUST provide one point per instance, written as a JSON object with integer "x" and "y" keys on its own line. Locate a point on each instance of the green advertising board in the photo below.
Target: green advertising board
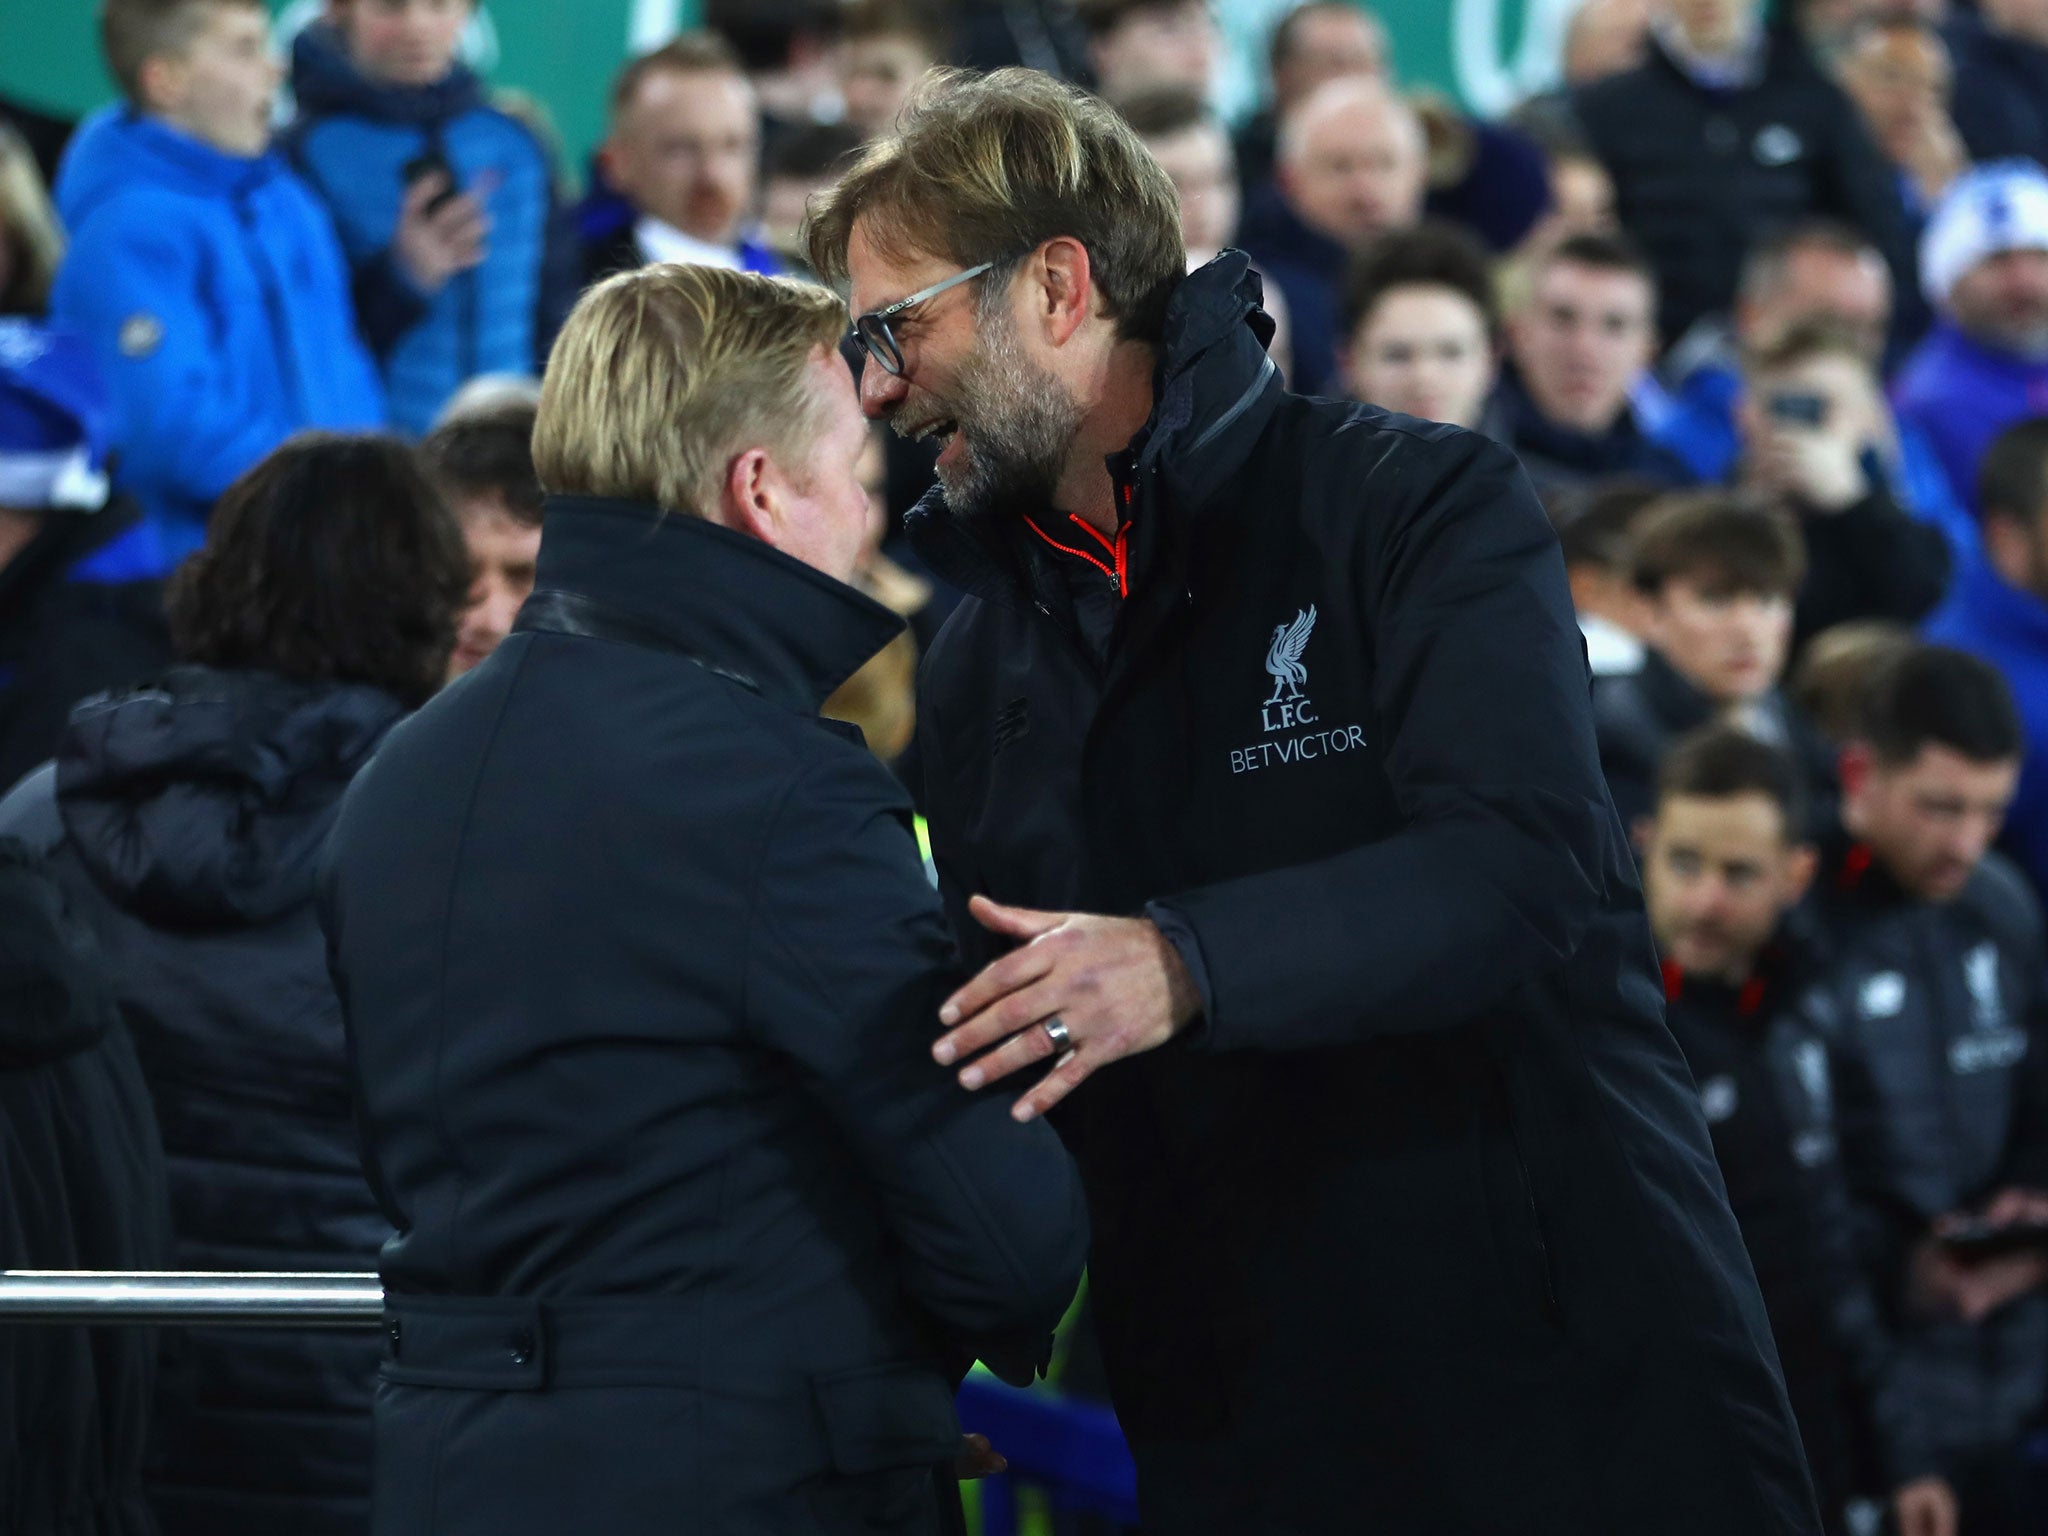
{"x": 1486, "y": 53}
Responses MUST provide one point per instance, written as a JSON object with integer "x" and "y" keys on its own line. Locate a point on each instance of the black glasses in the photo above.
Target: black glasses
{"x": 871, "y": 330}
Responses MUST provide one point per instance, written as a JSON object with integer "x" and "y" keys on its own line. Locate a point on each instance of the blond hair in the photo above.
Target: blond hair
{"x": 990, "y": 167}
{"x": 132, "y": 32}
{"x": 662, "y": 374}
{"x": 29, "y": 224}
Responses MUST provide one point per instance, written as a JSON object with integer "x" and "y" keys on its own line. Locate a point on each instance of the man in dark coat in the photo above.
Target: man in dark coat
{"x": 81, "y": 1187}
{"x": 81, "y": 576}
{"x": 1407, "y": 1220}
{"x": 641, "y": 966}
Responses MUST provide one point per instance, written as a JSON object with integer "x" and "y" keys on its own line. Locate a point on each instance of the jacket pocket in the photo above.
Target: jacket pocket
{"x": 887, "y": 1416}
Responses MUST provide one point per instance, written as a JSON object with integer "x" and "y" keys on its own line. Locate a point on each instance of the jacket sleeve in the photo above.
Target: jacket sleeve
{"x": 387, "y": 303}
{"x": 1871, "y": 561}
{"x": 188, "y": 419}
{"x": 1507, "y": 844}
{"x": 848, "y": 962}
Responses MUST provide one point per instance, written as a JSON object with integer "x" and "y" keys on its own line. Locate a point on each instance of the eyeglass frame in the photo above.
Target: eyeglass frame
{"x": 880, "y": 318}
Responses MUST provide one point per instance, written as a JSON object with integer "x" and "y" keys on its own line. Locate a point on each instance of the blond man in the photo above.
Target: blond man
{"x": 639, "y": 961}
{"x": 1265, "y": 721}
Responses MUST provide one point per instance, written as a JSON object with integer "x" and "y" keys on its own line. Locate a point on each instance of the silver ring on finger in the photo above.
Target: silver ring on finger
{"x": 1056, "y": 1031}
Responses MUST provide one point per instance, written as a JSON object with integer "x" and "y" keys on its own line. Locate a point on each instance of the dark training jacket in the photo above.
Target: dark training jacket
{"x": 642, "y": 971}
{"x": 1943, "y": 1101}
{"x": 184, "y": 820}
{"x": 1420, "y": 1229}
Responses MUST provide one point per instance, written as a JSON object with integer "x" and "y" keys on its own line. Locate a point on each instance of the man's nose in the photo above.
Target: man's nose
{"x": 880, "y": 391}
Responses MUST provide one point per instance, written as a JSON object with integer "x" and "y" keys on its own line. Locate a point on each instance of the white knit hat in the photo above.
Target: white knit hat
{"x": 2002, "y": 206}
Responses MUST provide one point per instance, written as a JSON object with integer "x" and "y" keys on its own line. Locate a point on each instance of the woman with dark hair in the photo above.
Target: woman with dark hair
{"x": 185, "y": 819}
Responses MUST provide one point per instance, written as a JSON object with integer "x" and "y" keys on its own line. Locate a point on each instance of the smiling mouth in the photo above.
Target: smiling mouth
{"x": 941, "y": 431}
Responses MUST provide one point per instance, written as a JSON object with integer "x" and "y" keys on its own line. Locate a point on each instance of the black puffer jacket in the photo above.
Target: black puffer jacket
{"x": 81, "y": 1187}
{"x": 1940, "y": 1078}
{"x": 186, "y": 820}
{"x": 1700, "y": 174}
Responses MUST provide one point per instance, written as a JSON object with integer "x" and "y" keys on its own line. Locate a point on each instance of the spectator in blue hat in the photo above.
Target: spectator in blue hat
{"x": 1984, "y": 366}
{"x": 203, "y": 273}
{"x": 81, "y": 576}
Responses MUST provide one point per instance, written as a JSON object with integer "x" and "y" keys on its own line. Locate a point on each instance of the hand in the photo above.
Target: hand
{"x": 1819, "y": 467}
{"x": 1117, "y": 984}
{"x": 978, "y": 1459}
{"x": 1925, "y": 1507}
{"x": 431, "y": 246}
{"x": 1942, "y": 1283}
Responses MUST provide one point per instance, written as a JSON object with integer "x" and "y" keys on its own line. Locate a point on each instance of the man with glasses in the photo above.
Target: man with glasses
{"x": 1262, "y": 782}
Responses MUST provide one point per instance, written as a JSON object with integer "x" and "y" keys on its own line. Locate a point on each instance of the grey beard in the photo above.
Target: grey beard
{"x": 1020, "y": 424}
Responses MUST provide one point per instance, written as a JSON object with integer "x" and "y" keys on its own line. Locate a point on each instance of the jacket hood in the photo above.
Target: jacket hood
{"x": 56, "y": 998}
{"x": 204, "y": 799}
{"x": 325, "y": 80}
{"x": 117, "y": 148}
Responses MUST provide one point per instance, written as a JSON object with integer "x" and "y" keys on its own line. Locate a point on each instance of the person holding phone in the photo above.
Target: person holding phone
{"x": 1815, "y": 435}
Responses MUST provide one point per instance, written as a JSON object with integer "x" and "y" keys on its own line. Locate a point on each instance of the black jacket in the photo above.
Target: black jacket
{"x": 642, "y": 971}
{"x": 185, "y": 820}
{"x": 81, "y": 1187}
{"x": 81, "y": 610}
{"x": 1761, "y": 1054}
{"x": 1943, "y": 1096}
{"x": 2001, "y": 105}
{"x": 1639, "y": 716}
{"x": 1560, "y": 459}
{"x": 1872, "y": 560}
{"x": 1700, "y": 174}
{"x": 1430, "y": 1183}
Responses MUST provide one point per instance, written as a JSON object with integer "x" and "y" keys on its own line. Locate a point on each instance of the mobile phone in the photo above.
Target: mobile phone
{"x": 1797, "y": 408}
{"x": 1977, "y": 1239}
{"x": 431, "y": 162}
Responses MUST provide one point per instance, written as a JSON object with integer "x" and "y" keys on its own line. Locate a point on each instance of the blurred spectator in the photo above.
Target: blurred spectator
{"x": 1725, "y": 860}
{"x": 889, "y": 46}
{"x": 1728, "y": 129}
{"x": 31, "y": 244}
{"x": 1897, "y": 71}
{"x": 2001, "y": 48}
{"x": 684, "y": 149}
{"x": 1814, "y": 437}
{"x": 1834, "y": 672}
{"x": 1606, "y": 37}
{"x": 1422, "y": 325}
{"x": 1581, "y": 195}
{"x": 1351, "y": 169}
{"x": 488, "y": 393}
{"x": 1999, "y": 611}
{"x": 1717, "y": 578}
{"x": 789, "y": 50}
{"x": 1595, "y": 534}
{"x": 185, "y": 820}
{"x": 482, "y": 464}
{"x": 1038, "y": 34}
{"x": 203, "y": 273}
{"x": 799, "y": 166}
{"x": 81, "y": 1188}
{"x": 45, "y": 135}
{"x": 1311, "y": 45}
{"x": 1578, "y": 340}
{"x": 464, "y": 261}
{"x": 1938, "y": 976}
{"x": 1136, "y": 44}
{"x": 81, "y": 579}
{"x": 1192, "y": 146}
{"x": 1984, "y": 267}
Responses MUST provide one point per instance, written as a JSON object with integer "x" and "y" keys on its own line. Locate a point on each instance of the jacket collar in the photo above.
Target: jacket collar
{"x": 738, "y": 604}
{"x": 1213, "y": 391}
{"x": 325, "y": 80}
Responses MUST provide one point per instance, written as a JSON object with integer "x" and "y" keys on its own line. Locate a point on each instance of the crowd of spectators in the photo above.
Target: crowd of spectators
{"x": 1758, "y": 296}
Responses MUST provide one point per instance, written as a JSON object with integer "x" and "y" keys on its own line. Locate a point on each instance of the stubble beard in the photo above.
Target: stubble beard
{"x": 1020, "y": 423}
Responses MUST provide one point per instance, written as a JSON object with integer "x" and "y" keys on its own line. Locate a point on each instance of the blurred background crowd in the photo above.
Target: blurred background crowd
{"x": 1757, "y": 293}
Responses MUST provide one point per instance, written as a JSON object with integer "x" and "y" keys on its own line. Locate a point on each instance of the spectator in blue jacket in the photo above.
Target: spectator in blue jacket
{"x": 1984, "y": 265}
{"x": 202, "y": 273}
{"x": 464, "y": 261}
{"x": 1999, "y": 611}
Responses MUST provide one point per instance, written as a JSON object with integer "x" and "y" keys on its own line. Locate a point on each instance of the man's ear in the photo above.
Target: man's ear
{"x": 1641, "y": 832}
{"x": 1800, "y": 866}
{"x": 750, "y": 501}
{"x": 2008, "y": 545}
{"x": 1065, "y": 295}
{"x": 1853, "y": 766}
{"x": 160, "y": 82}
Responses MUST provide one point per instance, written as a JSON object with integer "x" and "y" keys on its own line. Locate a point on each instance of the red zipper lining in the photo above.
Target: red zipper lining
{"x": 1117, "y": 549}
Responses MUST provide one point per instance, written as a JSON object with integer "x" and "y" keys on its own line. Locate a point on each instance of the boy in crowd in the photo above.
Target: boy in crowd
{"x": 1936, "y": 945}
{"x": 203, "y": 274}
{"x": 888, "y": 47}
{"x": 1717, "y": 577}
{"x": 1813, "y": 425}
{"x": 1725, "y": 859}
{"x": 1593, "y": 534}
{"x": 1422, "y": 325}
{"x": 482, "y": 463}
{"x": 1999, "y": 610}
{"x": 464, "y": 262}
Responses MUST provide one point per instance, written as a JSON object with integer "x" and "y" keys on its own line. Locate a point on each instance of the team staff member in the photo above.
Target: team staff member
{"x": 639, "y": 963}
{"x": 1410, "y": 1222}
